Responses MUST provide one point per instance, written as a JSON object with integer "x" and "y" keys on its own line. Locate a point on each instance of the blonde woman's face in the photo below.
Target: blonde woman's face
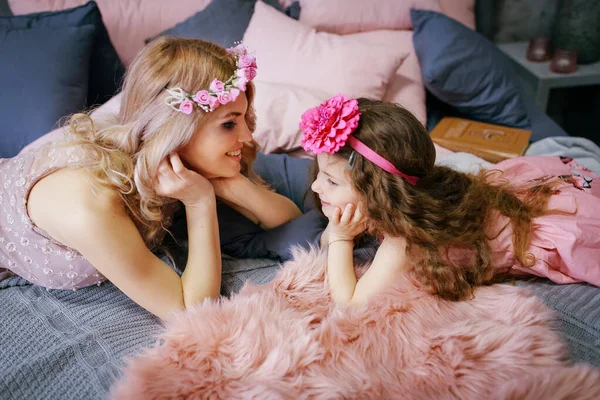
{"x": 215, "y": 149}
{"x": 333, "y": 184}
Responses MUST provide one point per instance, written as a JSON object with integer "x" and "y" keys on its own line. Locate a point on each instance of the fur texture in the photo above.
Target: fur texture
{"x": 580, "y": 382}
{"x": 287, "y": 340}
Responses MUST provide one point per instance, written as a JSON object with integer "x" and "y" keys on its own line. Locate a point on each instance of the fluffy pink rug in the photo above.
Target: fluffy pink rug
{"x": 287, "y": 340}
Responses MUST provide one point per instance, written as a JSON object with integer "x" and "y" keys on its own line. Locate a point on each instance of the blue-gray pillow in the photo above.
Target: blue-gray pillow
{"x": 465, "y": 70}
{"x": 223, "y": 22}
{"x": 106, "y": 70}
{"x": 43, "y": 77}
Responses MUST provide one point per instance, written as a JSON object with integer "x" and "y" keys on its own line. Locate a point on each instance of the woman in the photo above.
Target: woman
{"x": 94, "y": 206}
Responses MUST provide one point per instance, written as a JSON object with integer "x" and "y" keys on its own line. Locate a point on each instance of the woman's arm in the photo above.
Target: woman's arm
{"x": 105, "y": 235}
{"x": 268, "y": 209}
{"x": 95, "y": 223}
{"x": 202, "y": 275}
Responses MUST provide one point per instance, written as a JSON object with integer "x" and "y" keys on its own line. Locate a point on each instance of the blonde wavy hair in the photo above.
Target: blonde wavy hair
{"x": 124, "y": 151}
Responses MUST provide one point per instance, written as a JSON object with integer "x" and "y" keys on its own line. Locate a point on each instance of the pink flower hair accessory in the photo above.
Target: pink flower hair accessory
{"x": 329, "y": 127}
{"x": 218, "y": 92}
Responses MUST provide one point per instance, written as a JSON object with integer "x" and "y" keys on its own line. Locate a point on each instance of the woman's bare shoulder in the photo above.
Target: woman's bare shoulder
{"x": 65, "y": 199}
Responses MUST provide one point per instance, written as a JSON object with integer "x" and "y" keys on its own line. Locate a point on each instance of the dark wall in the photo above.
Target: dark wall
{"x": 484, "y": 17}
{"x": 4, "y": 9}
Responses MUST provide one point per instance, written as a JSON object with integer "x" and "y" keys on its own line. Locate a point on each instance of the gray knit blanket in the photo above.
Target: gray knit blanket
{"x": 61, "y": 344}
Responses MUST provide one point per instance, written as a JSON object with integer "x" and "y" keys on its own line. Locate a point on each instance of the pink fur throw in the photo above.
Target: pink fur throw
{"x": 287, "y": 340}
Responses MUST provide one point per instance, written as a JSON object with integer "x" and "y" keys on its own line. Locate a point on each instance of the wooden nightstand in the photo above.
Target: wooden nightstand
{"x": 537, "y": 78}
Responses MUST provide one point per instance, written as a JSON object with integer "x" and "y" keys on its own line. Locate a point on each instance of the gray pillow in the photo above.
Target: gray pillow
{"x": 43, "y": 77}
{"x": 466, "y": 71}
{"x": 223, "y": 22}
{"x": 106, "y": 69}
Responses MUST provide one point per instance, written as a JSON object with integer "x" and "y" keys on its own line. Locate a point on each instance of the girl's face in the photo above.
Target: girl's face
{"x": 215, "y": 149}
{"x": 333, "y": 184}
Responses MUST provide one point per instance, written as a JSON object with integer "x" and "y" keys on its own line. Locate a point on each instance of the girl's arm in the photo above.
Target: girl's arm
{"x": 268, "y": 209}
{"x": 342, "y": 230}
{"x": 324, "y": 241}
{"x": 389, "y": 264}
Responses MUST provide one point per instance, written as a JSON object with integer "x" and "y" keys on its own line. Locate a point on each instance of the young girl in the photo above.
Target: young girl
{"x": 92, "y": 207}
{"x": 376, "y": 173}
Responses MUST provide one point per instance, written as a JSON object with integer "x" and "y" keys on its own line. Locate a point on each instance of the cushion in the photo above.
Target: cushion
{"x": 110, "y": 108}
{"x": 351, "y": 16}
{"x": 291, "y": 53}
{"x": 129, "y": 22}
{"x": 280, "y": 106}
{"x": 43, "y": 76}
{"x": 223, "y": 22}
{"x": 106, "y": 69}
{"x": 406, "y": 86}
{"x": 278, "y": 110}
{"x": 466, "y": 71}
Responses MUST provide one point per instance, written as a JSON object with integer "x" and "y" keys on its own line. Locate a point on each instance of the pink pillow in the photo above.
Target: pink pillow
{"x": 279, "y": 106}
{"x": 461, "y": 10}
{"x": 350, "y": 16}
{"x": 111, "y": 107}
{"x": 128, "y": 22}
{"x": 278, "y": 111}
{"x": 291, "y": 53}
{"x": 406, "y": 87}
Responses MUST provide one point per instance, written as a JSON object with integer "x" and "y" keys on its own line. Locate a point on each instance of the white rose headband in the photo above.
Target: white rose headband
{"x": 218, "y": 92}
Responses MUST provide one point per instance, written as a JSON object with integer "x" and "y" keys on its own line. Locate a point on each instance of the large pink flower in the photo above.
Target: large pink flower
{"x": 327, "y": 127}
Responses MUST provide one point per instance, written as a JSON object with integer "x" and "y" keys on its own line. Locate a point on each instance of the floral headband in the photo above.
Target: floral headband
{"x": 329, "y": 127}
{"x": 218, "y": 92}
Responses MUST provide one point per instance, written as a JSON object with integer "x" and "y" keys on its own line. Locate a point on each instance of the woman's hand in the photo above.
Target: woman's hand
{"x": 262, "y": 206}
{"x": 225, "y": 188}
{"x": 174, "y": 180}
{"x": 346, "y": 225}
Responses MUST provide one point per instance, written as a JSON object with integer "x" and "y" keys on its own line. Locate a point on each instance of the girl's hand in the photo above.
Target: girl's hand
{"x": 174, "y": 180}
{"x": 346, "y": 225}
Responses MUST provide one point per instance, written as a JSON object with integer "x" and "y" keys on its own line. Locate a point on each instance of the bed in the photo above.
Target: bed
{"x": 63, "y": 344}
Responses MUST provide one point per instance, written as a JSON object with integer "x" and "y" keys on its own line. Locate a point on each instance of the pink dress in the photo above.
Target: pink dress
{"x": 26, "y": 250}
{"x": 566, "y": 247}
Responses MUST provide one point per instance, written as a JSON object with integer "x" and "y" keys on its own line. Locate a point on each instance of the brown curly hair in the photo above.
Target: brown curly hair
{"x": 445, "y": 211}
